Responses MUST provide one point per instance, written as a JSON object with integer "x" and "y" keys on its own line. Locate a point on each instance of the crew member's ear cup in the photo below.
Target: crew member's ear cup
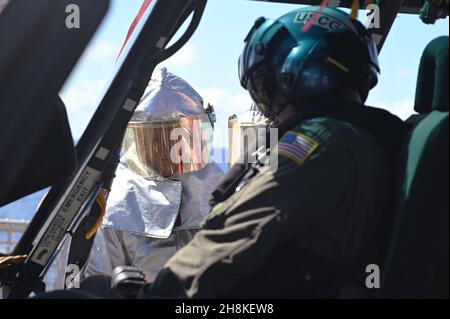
{"x": 347, "y": 50}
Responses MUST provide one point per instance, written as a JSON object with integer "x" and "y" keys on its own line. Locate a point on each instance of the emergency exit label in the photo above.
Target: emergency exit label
{"x": 65, "y": 215}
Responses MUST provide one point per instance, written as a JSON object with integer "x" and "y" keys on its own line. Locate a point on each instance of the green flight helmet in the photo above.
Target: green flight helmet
{"x": 309, "y": 55}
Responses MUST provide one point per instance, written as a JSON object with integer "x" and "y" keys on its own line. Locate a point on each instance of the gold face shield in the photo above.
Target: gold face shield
{"x": 170, "y": 133}
{"x": 168, "y": 148}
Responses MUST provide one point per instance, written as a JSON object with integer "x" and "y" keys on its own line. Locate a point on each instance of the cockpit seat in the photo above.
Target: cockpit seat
{"x": 417, "y": 264}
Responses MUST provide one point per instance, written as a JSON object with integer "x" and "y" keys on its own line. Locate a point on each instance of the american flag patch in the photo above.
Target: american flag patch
{"x": 296, "y": 146}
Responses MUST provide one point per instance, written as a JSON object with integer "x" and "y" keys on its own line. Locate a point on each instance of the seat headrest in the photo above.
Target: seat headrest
{"x": 432, "y": 81}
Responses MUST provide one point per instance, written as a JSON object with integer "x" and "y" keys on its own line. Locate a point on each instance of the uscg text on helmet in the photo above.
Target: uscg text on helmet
{"x": 323, "y": 20}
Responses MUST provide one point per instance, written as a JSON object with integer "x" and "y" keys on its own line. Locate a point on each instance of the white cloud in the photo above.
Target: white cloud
{"x": 82, "y": 97}
{"x": 186, "y": 57}
{"x": 213, "y": 95}
{"x": 225, "y": 104}
{"x": 81, "y": 102}
{"x": 403, "y": 73}
{"x": 101, "y": 51}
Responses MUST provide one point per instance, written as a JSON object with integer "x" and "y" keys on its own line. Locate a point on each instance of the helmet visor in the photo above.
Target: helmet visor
{"x": 168, "y": 148}
{"x": 255, "y": 49}
{"x": 261, "y": 85}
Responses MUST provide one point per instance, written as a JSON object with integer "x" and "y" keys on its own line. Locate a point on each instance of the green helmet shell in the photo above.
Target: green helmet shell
{"x": 335, "y": 53}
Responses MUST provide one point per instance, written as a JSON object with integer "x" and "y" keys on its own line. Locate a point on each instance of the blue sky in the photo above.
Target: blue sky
{"x": 209, "y": 60}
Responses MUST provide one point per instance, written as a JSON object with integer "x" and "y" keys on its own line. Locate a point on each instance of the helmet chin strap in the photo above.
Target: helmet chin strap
{"x": 311, "y": 107}
{"x": 306, "y": 111}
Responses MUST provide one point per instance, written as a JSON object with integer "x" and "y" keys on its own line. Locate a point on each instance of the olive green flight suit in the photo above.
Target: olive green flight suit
{"x": 257, "y": 242}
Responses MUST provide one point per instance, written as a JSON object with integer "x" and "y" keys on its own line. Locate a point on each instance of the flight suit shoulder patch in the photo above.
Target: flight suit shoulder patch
{"x": 297, "y": 146}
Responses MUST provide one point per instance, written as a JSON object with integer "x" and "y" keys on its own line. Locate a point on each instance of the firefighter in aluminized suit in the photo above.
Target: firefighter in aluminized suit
{"x": 161, "y": 192}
